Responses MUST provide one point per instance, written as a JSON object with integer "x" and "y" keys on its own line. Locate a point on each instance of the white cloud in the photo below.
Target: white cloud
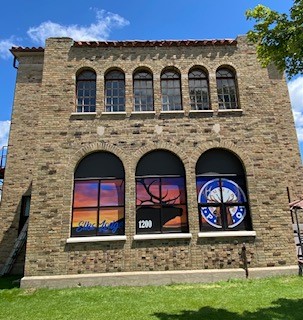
{"x": 4, "y": 130}
{"x": 295, "y": 88}
{"x": 100, "y": 30}
{"x": 5, "y": 45}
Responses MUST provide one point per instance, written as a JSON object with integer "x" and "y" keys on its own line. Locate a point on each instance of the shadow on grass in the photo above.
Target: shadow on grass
{"x": 10, "y": 282}
{"x": 282, "y": 309}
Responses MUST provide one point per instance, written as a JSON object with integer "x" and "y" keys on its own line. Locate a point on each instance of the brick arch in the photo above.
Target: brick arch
{"x": 198, "y": 66}
{"x": 114, "y": 68}
{"x": 141, "y": 67}
{"x": 158, "y": 146}
{"x": 171, "y": 68}
{"x": 96, "y": 147}
{"x": 228, "y": 146}
{"x": 225, "y": 63}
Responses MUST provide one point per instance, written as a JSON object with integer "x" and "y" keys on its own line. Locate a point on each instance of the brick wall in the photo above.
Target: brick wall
{"x": 47, "y": 141}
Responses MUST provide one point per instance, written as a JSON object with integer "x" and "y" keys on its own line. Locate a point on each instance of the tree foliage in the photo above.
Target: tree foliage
{"x": 279, "y": 37}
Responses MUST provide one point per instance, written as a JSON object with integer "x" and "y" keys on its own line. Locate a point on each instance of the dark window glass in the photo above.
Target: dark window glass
{"x": 86, "y": 91}
{"x": 198, "y": 90}
{"x": 98, "y": 205}
{"x": 160, "y": 198}
{"x": 115, "y": 91}
{"x": 171, "y": 91}
{"x": 143, "y": 91}
{"x": 221, "y": 192}
{"x": 226, "y": 87}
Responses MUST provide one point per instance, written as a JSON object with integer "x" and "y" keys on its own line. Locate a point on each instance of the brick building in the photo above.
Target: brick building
{"x": 143, "y": 161}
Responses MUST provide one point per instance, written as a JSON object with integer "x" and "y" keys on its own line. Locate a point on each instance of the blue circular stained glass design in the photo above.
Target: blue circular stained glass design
{"x": 231, "y": 193}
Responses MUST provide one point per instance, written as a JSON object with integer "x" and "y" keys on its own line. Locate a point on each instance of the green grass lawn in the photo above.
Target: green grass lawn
{"x": 265, "y": 299}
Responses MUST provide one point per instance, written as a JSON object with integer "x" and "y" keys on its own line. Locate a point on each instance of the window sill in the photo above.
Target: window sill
{"x": 95, "y": 239}
{"x": 143, "y": 112}
{"x": 114, "y": 112}
{"x": 225, "y": 234}
{"x": 201, "y": 113}
{"x": 113, "y": 115}
{"x": 232, "y": 111}
{"x": 83, "y": 115}
{"x": 162, "y": 236}
{"x": 171, "y": 111}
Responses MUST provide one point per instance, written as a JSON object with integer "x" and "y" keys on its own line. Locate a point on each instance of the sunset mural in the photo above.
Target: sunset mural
{"x": 98, "y": 207}
{"x": 161, "y": 205}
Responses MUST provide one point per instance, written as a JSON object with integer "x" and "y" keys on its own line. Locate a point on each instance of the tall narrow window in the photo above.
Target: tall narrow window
{"x": 115, "y": 91}
{"x": 143, "y": 91}
{"x": 98, "y": 203}
{"x": 198, "y": 90}
{"x": 221, "y": 191}
{"x": 160, "y": 194}
{"x": 171, "y": 91}
{"x": 227, "y": 90}
{"x": 86, "y": 91}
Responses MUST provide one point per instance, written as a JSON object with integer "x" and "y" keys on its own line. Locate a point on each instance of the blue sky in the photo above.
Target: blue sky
{"x": 30, "y": 22}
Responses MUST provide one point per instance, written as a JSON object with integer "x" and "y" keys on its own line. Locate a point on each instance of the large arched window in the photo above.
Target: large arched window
{"x": 86, "y": 91}
{"x": 98, "y": 202}
{"x": 198, "y": 89}
{"x": 171, "y": 90}
{"x": 115, "y": 91}
{"x": 161, "y": 205}
{"x": 222, "y": 193}
{"x": 143, "y": 91}
{"x": 227, "y": 89}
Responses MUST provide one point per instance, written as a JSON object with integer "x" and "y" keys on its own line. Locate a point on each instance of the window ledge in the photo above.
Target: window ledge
{"x": 143, "y": 112}
{"x": 221, "y": 234}
{"x": 237, "y": 111}
{"x": 171, "y": 111}
{"x": 163, "y": 236}
{"x": 82, "y": 115}
{"x": 202, "y": 111}
{"x": 114, "y": 112}
{"x": 95, "y": 239}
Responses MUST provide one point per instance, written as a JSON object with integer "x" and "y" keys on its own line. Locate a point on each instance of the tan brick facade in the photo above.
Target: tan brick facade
{"x": 47, "y": 141}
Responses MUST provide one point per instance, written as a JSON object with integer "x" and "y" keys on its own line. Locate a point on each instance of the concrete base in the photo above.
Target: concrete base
{"x": 151, "y": 277}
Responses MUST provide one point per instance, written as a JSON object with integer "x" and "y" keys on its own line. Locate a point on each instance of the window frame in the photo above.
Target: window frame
{"x": 210, "y": 226}
{"x": 168, "y": 171}
{"x": 227, "y": 100}
{"x": 143, "y": 90}
{"x": 94, "y": 196}
{"x": 171, "y": 83}
{"x": 192, "y": 86}
{"x": 111, "y": 77}
{"x": 221, "y": 183}
{"x": 91, "y": 82}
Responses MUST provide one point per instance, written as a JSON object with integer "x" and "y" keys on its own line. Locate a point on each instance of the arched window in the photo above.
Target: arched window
{"x": 161, "y": 205}
{"x": 98, "y": 202}
{"x": 86, "y": 91}
{"x": 143, "y": 91}
{"x": 198, "y": 90}
{"x": 227, "y": 89}
{"x": 115, "y": 91}
{"x": 171, "y": 90}
{"x": 221, "y": 190}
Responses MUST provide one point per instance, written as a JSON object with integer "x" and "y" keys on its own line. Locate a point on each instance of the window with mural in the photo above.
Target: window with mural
{"x": 98, "y": 202}
{"x": 221, "y": 192}
{"x": 161, "y": 205}
{"x": 86, "y": 91}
